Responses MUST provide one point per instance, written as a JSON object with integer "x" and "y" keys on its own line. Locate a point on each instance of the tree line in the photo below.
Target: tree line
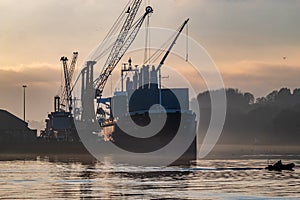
{"x": 270, "y": 120}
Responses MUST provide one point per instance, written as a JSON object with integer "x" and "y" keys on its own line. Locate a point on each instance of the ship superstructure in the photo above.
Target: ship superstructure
{"x": 60, "y": 123}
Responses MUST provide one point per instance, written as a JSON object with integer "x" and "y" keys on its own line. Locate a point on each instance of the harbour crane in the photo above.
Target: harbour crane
{"x": 125, "y": 38}
{"x": 66, "y": 95}
{"x": 93, "y": 88}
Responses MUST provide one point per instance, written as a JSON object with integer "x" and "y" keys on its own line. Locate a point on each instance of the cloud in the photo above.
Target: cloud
{"x": 43, "y": 81}
{"x": 30, "y": 74}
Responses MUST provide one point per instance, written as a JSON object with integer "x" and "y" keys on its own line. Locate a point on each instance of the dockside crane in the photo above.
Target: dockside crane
{"x": 93, "y": 89}
{"x": 125, "y": 38}
{"x": 66, "y": 95}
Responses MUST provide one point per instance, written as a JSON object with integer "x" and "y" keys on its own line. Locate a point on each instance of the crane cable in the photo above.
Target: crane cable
{"x": 156, "y": 55}
{"x": 113, "y": 30}
{"x": 146, "y": 39}
{"x": 187, "y": 43}
{"x": 129, "y": 33}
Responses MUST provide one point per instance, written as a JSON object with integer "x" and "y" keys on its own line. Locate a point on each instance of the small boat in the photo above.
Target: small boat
{"x": 278, "y": 166}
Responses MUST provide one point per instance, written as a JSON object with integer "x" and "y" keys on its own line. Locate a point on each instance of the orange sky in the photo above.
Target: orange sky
{"x": 246, "y": 39}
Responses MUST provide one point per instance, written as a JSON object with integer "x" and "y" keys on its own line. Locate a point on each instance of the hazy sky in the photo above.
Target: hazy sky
{"x": 247, "y": 39}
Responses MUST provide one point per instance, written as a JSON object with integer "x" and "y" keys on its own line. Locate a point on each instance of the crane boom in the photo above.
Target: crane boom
{"x": 133, "y": 34}
{"x": 72, "y": 67}
{"x": 122, "y": 43}
{"x": 171, "y": 46}
{"x": 67, "y": 88}
{"x": 123, "y": 32}
{"x": 66, "y": 95}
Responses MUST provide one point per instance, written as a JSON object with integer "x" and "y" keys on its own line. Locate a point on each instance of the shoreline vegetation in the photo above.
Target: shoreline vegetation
{"x": 270, "y": 120}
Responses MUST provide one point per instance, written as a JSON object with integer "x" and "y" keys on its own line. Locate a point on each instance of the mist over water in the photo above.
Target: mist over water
{"x": 42, "y": 178}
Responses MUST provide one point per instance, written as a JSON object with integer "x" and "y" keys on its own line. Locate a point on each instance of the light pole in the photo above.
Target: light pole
{"x": 24, "y": 87}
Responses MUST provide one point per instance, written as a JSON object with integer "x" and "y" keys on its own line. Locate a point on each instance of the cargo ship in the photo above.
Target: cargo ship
{"x": 141, "y": 102}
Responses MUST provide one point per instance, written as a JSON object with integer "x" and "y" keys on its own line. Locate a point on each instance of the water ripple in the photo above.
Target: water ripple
{"x": 209, "y": 179}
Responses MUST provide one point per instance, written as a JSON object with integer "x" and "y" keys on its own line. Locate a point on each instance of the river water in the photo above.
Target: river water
{"x": 42, "y": 178}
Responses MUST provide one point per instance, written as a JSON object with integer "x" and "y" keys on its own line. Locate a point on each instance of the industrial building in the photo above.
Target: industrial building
{"x": 14, "y": 129}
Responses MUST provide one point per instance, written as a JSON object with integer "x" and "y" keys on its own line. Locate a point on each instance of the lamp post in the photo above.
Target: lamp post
{"x": 24, "y": 106}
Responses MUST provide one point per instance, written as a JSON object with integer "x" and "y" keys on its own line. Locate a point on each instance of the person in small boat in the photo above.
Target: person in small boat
{"x": 278, "y": 164}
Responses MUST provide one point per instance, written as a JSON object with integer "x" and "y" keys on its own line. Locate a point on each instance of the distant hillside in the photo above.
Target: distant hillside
{"x": 274, "y": 119}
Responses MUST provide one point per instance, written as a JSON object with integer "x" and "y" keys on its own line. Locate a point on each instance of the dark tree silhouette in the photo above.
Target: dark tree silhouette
{"x": 273, "y": 119}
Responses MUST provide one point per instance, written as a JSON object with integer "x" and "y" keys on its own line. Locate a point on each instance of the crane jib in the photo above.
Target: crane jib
{"x": 66, "y": 95}
{"x": 171, "y": 46}
{"x": 121, "y": 45}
